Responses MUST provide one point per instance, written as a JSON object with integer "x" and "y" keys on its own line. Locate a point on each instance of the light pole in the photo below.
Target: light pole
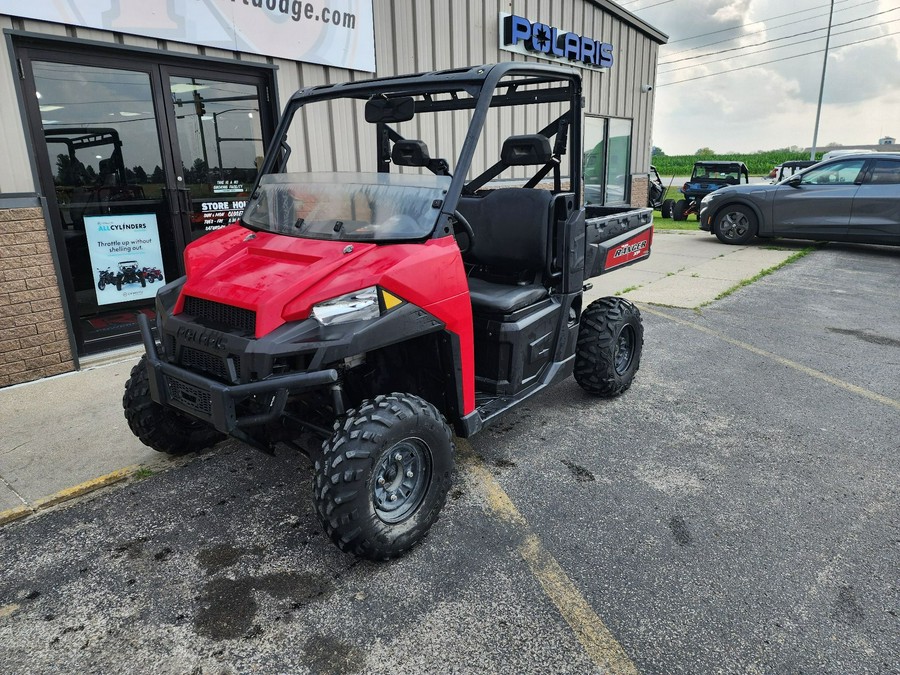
{"x": 812, "y": 152}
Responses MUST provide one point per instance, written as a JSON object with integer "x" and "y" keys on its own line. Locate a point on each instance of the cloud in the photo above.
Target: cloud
{"x": 771, "y": 105}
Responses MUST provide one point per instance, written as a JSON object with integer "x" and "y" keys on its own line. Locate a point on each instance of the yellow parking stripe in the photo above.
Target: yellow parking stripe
{"x": 812, "y": 372}
{"x": 596, "y": 639}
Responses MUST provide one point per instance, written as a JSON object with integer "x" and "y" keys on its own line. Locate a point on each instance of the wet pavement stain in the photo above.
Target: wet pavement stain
{"x": 846, "y": 608}
{"x": 215, "y": 558}
{"x": 680, "y": 531}
{"x": 228, "y": 606}
{"x": 131, "y": 549}
{"x": 581, "y": 474}
{"x": 866, "y": 336}
{"x": 329, "y": 656}
{"x": 163, "y": 554}
{"x": 504, "y": 463}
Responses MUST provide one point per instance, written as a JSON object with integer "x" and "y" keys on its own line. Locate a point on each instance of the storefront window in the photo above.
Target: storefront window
{"x": 618, "y": 161}
{"x": 104, "y": 153}
{"x": 138, "y": 158}
{"x": 221, "y": 143}
{"x": 607, "y": 160}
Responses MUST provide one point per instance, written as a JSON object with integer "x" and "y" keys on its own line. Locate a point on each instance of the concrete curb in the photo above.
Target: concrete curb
{"x": 88, "y": 486}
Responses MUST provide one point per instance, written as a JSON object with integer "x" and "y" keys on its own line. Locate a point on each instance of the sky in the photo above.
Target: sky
{"x": 771, "y": 102}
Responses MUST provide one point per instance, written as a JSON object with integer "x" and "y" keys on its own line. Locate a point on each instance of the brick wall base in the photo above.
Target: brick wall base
{"x": 34, "y": 339}
{"x": 640, "y": 190}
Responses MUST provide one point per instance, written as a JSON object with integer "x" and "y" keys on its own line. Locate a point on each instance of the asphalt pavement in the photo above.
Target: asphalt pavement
{"x": 736, "y": 510}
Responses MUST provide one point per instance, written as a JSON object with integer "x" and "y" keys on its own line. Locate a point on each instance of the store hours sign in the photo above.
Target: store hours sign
{"x": 523, "y": 36}
{"x": 126, "y": 258}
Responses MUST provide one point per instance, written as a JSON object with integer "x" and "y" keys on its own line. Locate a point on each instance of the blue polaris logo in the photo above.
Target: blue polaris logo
{"x": 549, "y": 42}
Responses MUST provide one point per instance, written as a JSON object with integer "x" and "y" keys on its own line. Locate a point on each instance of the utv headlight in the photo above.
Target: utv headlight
{"x": 356, "y": 306}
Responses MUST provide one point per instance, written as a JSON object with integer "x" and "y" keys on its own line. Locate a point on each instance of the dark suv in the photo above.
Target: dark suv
{"x": 852, "y": 198}
{"x": 707, "y": 176}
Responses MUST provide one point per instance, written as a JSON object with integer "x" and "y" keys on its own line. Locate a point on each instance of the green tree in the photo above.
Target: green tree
{"x": 68, "y": 171}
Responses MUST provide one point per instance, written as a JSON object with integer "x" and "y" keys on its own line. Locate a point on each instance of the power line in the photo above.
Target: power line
{"x": 766, "y": 63}
{"x": 750, "y": 23}
{"x": 641, "y": 9}
{"x": 767, "y": 28}
{"x": 787, "y": 37}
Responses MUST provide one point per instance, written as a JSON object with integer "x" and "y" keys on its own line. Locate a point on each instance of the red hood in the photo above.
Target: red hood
{"x": 262, "y": 271}
{"x": 281, "y": 277}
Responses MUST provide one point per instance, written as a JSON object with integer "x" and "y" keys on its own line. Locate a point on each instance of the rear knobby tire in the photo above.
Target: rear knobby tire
{"x": 608, "y": 351}
{"x": 163, "y": 429}
{"x": 666, "y": 208}
{"x": 393, "y": 445}
{"x": 678, "y": 209}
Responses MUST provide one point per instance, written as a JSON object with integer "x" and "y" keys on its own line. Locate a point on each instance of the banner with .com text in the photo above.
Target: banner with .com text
{"x": 338, "y": 33}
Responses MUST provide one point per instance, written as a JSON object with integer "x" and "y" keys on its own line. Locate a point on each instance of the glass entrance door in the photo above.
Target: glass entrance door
{"x": 104, "y": 156}
{"x": 137, "y": 159}
{"x": 219, "y": 138}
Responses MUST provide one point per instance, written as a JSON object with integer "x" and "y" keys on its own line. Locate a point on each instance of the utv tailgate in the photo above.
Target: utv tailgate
{"x": 616, "y": 239}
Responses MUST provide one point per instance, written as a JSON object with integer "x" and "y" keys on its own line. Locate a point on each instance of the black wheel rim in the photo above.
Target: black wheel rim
{"x": 624, "y": 350}
{"x": 734, "y": 225}
{"x": 402, "y": 477}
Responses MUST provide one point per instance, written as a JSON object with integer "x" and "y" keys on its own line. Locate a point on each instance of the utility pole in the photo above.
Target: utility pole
{"x": 812, "y": 152}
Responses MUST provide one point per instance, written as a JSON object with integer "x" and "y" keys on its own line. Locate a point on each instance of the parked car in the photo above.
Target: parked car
{"x": 852, "y": 198}
{"x": 832, "y": 154}
{"x": 789, "y": 168}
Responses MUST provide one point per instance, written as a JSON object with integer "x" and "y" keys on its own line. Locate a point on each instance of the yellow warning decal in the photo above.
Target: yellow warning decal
{"x": 390, "y": 301}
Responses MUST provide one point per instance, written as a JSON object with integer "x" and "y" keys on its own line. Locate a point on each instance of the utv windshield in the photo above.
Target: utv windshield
{"x": 347, "y": 206}
{"x": 723, "y": 172}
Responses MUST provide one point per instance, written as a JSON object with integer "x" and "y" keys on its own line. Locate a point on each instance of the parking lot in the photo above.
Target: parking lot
{"x": 736, "y": 510}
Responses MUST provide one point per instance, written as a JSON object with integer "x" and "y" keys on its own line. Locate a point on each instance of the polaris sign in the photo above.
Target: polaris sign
{"x": 519, "y": 35}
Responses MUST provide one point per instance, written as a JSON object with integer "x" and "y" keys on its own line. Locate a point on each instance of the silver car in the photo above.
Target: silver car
{"x": 852, "y": 198}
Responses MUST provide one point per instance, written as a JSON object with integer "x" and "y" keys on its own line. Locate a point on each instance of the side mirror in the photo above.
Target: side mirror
{"x": 794, "y": 181}
{"x": 390, "y": 109}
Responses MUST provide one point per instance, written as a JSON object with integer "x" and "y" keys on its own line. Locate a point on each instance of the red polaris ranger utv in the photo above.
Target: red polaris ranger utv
{"x": 381, "y": 309}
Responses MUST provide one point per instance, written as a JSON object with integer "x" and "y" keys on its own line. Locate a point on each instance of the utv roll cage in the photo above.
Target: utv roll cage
{"x": 459, "y": 90}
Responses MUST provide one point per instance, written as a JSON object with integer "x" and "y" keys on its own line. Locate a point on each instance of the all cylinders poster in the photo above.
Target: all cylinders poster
{"x": 125, "y": 256}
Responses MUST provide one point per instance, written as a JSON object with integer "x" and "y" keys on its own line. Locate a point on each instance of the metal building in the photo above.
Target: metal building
{"x": 130, "y": 131}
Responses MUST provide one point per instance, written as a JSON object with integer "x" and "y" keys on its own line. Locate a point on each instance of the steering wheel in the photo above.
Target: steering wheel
{"x": 460, "y": 219}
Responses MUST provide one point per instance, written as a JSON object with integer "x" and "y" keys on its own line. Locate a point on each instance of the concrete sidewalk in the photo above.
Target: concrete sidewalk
{"x": 66, "y": 435}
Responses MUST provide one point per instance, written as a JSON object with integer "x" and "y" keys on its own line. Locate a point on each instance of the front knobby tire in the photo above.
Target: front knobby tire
{"x": 163, "y": 429}
{"x": 608, "y": 351}
{"x": 384, "y": 475}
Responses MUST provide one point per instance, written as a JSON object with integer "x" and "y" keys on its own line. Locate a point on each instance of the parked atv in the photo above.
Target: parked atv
{"x": 130, "y": 274}
{"x": 383, "y": 311}
{"x": 656, "y": 190}
{"x": 707, "y": 176}
{"x": 151, "y": 274}
{"x": 108, "y": 278}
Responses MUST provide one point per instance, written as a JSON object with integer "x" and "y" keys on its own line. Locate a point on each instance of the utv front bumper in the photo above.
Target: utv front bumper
{"x": 216, "y": 403}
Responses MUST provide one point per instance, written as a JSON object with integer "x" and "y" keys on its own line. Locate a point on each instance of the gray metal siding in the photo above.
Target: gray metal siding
{"x": 16, "y": 174}
{"x": 410, "y": 36}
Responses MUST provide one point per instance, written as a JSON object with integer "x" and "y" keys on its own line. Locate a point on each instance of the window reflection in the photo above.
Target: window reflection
{"x": 221, "y": 145}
